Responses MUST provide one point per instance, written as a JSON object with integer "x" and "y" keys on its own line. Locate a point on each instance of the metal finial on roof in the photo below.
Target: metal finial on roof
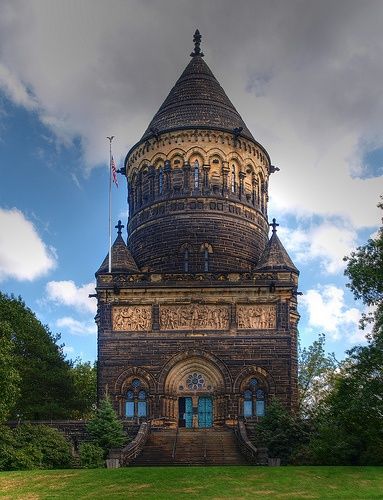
{"x": 274, "y": 225}
{"x": 119, "y": 228}
{"x": 197, "y": 42}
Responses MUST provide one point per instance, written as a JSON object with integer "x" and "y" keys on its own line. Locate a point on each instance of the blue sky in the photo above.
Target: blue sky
{"x": 306, "y": 78}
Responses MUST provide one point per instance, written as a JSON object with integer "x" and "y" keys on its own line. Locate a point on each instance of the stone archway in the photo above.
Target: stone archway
{"x": 198, "y": 382}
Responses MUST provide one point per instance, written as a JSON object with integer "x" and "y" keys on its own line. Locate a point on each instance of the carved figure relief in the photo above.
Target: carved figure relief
{"x": 132, "y": 318}
{"x": 256, "y": 317}
{"x": 194, "y": 317}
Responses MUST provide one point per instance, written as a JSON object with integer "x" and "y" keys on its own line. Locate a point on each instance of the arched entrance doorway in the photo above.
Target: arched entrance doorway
{"x": 194, "y": 393}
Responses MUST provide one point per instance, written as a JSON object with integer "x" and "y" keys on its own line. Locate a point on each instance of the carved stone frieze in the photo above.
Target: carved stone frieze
{"x": 256, "y": 317}
{"x": 194, "y": 317}
{"x": 132, "y": 318}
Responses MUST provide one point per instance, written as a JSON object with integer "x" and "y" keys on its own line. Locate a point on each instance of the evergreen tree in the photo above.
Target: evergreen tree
{"x": 105, "y": 428}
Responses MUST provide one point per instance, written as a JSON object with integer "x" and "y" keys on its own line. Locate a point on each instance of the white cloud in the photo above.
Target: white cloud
{"x": 69, "y": 294}
{"x": 325, "y": 242}
{"x": 328, "y": 311}
{"x": 77, "y": 327}
{"x": 15, "y": 89}
{"x": 67, "y": 349}
{"x": 306, "y": 77}
{"x": 23, "y": 254}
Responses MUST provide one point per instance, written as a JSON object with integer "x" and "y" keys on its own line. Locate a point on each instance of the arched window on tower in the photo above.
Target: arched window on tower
{"x": 160, "y": 180}
{"x": 254, "y": 399}
{"x": 136, "y": 404}
{"x": 196, "y": 175}
{"x": 206, "y": 251}
{"x": 233, "y": 182}
{"x": 186, "y": 260}
{"x": 185, "y": 257}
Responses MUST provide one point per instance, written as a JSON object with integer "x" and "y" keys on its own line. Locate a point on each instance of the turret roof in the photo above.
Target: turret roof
{"x": 197, "y": 100}
{"x": 275, "y": 256}
{"x": 122, "y": 260}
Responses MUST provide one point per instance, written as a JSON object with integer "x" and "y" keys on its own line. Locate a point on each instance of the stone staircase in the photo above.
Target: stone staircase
{"x": 215, "y": 446}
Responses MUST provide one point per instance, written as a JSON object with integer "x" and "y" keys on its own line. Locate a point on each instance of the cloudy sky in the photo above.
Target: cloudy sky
{"x": 305, "y": 75}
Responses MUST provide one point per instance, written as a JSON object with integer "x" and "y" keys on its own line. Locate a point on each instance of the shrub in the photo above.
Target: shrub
{"x": 91, "y": 456}
{"x": 33, "y": 447}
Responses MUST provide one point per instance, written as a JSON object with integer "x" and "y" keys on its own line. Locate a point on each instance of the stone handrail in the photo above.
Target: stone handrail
{"x": 129, "y": 452}
{"x": 252, "y": 454}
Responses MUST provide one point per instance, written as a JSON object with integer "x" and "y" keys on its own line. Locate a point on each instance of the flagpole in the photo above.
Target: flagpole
{"x": 110, "y": 203}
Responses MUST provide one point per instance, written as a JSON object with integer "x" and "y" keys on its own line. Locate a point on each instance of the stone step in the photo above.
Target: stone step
{"x": 193, "y": 447}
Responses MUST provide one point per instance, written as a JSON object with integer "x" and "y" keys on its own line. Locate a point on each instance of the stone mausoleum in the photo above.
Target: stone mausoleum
{"x": 197, "y": 321}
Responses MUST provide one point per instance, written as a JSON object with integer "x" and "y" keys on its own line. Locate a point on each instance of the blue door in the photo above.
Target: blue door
{"x": 188, "y": 413}
{"x": 205, "y": 412}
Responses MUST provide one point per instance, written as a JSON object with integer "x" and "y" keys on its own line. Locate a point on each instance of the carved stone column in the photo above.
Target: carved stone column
{"x": 225, "y": 174}
{"x": 168, "y": 180}
{"x": 242, "y": 176}
{"x": 206, "y": 187}
{"x": 186, "y": 168}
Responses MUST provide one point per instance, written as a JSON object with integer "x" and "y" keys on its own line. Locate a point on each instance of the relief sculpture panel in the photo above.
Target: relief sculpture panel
{"x": 194, "y": 317}
{"x": 132, "y": 318}
{"x": 256, "y": 317}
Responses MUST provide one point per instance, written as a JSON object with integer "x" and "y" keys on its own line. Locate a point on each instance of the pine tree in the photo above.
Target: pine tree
{"x": 105, "y": 428}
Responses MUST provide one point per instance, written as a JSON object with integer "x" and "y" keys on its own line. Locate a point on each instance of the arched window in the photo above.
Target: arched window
{"x": 186, "y": 260}
{"x": 160, "y": 181}
{"x": 233, "y": 183}
{"x": 136, "y": 400}
{"x": 206, "y": 260}
{"x": 196, "y": 175}
{"x": 254, "y": 397}
{"x": 206, "y": 250}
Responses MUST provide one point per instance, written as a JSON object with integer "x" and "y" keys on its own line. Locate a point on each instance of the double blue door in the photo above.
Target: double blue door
{"x": 204, "y": 409}
{"x": 205, "y": 412}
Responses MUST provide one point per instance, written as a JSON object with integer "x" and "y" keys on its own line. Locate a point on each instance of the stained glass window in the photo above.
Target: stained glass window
{"x": 136, "y": 383}
{"x": 195, "y": 381}
{"x": 253, "y": 382}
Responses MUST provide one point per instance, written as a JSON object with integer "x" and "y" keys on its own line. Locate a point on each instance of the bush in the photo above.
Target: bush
{"x": 91, "y": 456}
{"x": 283, "y": 434}
{"x": 33, "y": 447}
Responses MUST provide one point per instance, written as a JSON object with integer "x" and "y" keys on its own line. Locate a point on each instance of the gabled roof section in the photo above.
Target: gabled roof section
{"x": 275, "y": 257}
{"x": 197, "y": 100}
{"x": 122, "y": 260}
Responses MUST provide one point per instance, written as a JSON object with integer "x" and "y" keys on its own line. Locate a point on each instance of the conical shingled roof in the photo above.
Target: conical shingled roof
{"x": 275, "y": 257}
{"x": 122, "y": 260}
{"x": 196, "y": 100}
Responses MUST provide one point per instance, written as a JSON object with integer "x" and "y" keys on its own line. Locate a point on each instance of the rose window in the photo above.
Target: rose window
{"x": 195, "y": 381}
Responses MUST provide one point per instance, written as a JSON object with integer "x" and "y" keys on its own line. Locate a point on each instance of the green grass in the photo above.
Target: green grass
{"x": 196, "y": 482}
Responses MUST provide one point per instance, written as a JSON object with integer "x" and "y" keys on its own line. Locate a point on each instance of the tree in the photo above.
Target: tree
{"x": 46, "y": 389}
{"x": 316, "y": 371}
{"x": 365, "y": 272}
{"x": 9, "y": 375}
{"x": 105, "y": 428}
{"x": 84, "y": 377}
{"x": 281, "y": 432}
{"x": 349, "y": 427}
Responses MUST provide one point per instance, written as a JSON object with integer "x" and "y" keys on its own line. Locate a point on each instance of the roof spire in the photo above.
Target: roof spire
{"x": 119, "y": 227}
{"x": 274, "y": 225}
{"x": 197, "y": 42}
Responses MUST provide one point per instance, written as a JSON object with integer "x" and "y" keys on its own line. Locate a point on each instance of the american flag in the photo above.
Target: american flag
{"x": 114, "y": 171}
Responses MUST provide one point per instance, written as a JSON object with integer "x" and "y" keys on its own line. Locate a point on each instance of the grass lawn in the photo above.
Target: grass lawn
{"x": 196, "y": 482}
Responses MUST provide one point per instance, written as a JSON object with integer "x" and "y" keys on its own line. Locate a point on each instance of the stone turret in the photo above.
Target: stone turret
{"x": 197, "y": 182}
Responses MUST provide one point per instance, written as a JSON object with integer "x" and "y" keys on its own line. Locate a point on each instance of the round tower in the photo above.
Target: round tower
{"x": 197, "y": 182}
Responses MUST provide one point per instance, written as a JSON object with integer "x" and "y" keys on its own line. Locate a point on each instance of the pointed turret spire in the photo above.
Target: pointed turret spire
{"x": 197, "y": 100}
{"x": 275, "y": 256}
{"x": 197, "y": 42}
